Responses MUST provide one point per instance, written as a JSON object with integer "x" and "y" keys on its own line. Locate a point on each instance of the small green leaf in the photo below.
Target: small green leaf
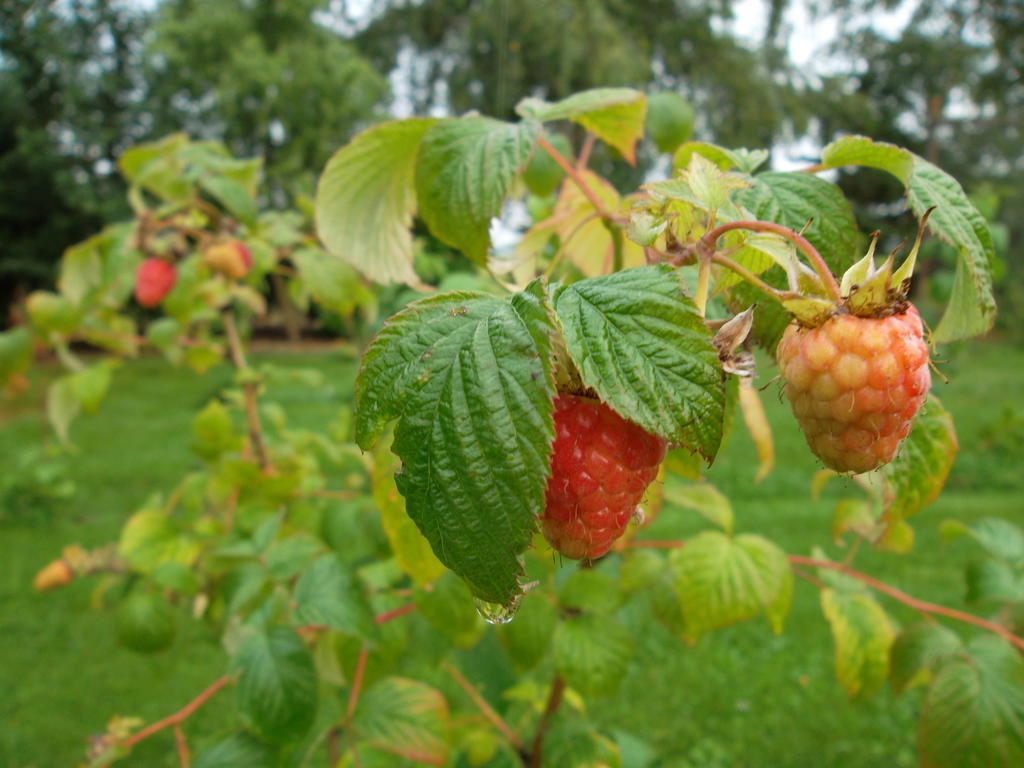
{"x": 721, "y": 580}
{"x": 62, "y": 405}
{"x": 448, "y": 608}
{"x": 853, "y": 515}
{"x": 614, "y": 115}
{"x": 405, "y": 718}
{"x": 237, "y": 751}
{"x": 329, "y": 593}
{"x": 213, "y": 433}
{"x": 703, "y": 498}
{"x": 999, "y": 537}
{"x": 366, "y": 199}
{"x": 917, "y": 475}
{"x": 640, "y": 343}
{"x": 277, "y": 686}
{"x": 745, "y": 160}
{"x": 863, "y": 635}
{"x": 469, "y": 377}
{"x": 527, "y": 639}
{"x": 331, "y": 282}
{"x": 90, "y": 384}
{"x": 993, "y": 581}
{"x": 592, "y": 653}
{"x": 918, "y": 652}
{"x": 15, "y": 352}
{"x": 464, "y": 170}
{"x": 235, "y": 198}
{"x": 150, "y": 538}
{"x": 973, "y": 714}
{"x": 860, "y": 150}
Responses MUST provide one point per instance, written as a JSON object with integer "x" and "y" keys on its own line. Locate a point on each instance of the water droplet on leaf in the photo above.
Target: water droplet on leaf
{"x": 496, "y": 613}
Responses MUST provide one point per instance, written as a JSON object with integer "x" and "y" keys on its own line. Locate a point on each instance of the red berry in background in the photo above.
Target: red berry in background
{"x": 153, "y": 281}
{"x": 600, "y": 467}
{"x": 855, "y": 385}
{"x": 232, "y": 259}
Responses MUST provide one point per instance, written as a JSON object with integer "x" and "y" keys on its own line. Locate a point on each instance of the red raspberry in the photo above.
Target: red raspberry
{"x": 600, "y": 468}
{"x": 855, "y": 385}
{"x": 153, "y": 281}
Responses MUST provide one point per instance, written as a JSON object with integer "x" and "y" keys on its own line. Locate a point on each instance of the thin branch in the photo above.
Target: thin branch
{"x": 918, "y": 605}
{"x": 585, "y": 150}
{"x": 828, "y": 279}
{"x": 182, "y": 746}
{"x": 394, "y": 613}
{"x": 578, "y": 179}
{"x": 357, "y": 682}
{"x": 554, "y": 701}
{"x": 252, "y": 413}
{"x": 180, "y": 716}
{"x": 485, "y": 709}
{"x": 747, "y": 275}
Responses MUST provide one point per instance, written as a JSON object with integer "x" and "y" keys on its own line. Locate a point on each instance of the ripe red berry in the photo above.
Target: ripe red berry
{"x": 855, "y": 385}
{"x": 600, "y": 468}
{"x": 232, "y": 259}
{"x": 153, "y": 281}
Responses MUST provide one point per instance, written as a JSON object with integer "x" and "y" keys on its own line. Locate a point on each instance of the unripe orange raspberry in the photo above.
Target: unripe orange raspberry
{"x": 232, "y": 259}
{"x": 855, "y": 385}
{"x": 600, "y": 467}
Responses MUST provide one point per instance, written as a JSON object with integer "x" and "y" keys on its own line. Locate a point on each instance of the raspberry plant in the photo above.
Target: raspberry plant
{"x": 342, "y": 581}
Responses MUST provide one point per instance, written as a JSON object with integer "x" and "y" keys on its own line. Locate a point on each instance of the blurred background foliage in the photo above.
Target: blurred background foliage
{"x": 82, "y": 80}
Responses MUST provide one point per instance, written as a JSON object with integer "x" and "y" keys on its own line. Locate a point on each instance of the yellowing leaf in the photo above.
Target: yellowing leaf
{"x": 863, "y": 635}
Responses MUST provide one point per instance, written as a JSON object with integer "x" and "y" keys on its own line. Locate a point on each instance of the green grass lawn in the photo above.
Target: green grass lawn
{"x": 740, "y": 697}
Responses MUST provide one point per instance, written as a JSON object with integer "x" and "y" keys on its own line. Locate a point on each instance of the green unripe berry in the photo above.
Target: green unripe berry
{"x": 669, "y": 120}
{"x": 145, "y": 622}
{"x": 543, "y": 175}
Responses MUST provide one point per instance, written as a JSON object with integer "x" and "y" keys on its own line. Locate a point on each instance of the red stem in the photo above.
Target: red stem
{"x": 485, "y": 709}
{"x": 357, "y": 682}
{"x": 179, "y": 716}
{"x": 182, "y": 746}
{"x": 573, "y": 173}
{"x": 384, "y": 618}
{"x": 797, "y": 239}
{"x": 554, "y": 701}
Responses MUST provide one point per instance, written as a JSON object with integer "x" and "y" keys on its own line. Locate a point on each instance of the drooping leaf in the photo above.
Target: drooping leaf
{"x": 918, "y": 652}
{"x": 277, "y": 686}
{"x": 410, "y": 548}
{"x": 917, "y": 475}
{"x": 592, "y": 653}
{"x": 90, "y": 385}
{"x": 366, "y": 199}
{"x": 641, "y": 344}
{"x": 720, "y": 580}
{"x": 62, "y": 405}
{"x": 614, "y": 115}
{"x": 860, "y": 150}
{"x": 464, "y": 170}
{"x": 469, "y": 376}
{"x": 703, "y": 498}
{"x": 329, "y": 593}
{"x": 863, "y": 635}
{"x": 973, "y": 714}
{"x": 405, "y": 718}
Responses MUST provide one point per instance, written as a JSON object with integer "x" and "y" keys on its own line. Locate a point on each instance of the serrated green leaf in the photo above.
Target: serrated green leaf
{"x": 470, "y": 379}
{"x": 235, "y": 198}
{"x": 366, "y": 198}
{"x": 863, "y": 635}
{"x": 591, "y": 591}
{"x": 916, "y": 476}
{"x": 614, "y": 115}
{"x": 329, "y": 593}
{"x": 277, "y": 686}
{"x": 405, "y": 718}
{"x": 861, "y": 150}
{"x": 640, "y": 343}
{"x": 745, "y": 160}
{"x": 918, "y": 652}
{"x": 999, "y": 537}
{"x": 993, "y": 581}
{"x": 237, "y": 751}
{"x": 465, "y": 168}
{"x": 592, "y": 653}
{"x": 703, "y": 498}
{"x": 973, "y": 714}
{"x": 527, "y": 639}
{"x": 972, "y": 308}
{"x": 150, "y": 538}
{"x": 411, "y": 549}
{"x": 448, "y": 608}
{"x": 720, "y": 580}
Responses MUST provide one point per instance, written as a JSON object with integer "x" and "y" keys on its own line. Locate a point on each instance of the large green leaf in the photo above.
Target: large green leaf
{"x": 703, "y": 498}
{"x": 366, "y": 199}
{"x": 993, "y": 581}
{"x": 720, "y": 580}
{"x": 464, "y": 170}
{"x": 971, "y": 309}
{"x": 237, "y": 751}
{"x": 592, "y": 653}
{"x": 406, "y": 718}
{"x": 863, "y": 635}
{"x": 329, "y": 593}
{"x": 999, "y": 537}
{"x": 277, "y": 686}
{"x": 469, "y": 376}
{"x": 916, "y": 476}
{"x": 614, "y": 115}
{"x": 973, "y": 715}
{"x": 918, "y": 652}
{"x": 640, "y": 343}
